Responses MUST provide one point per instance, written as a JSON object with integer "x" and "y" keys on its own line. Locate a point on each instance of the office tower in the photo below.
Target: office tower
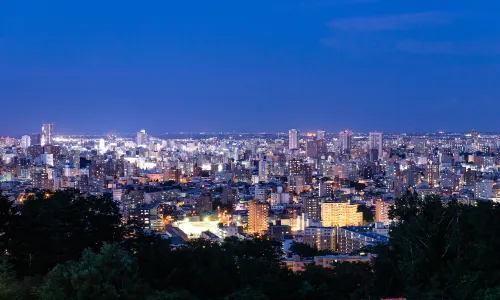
{"x": 340, "y": 214}
{"x": 142, "y": 138}
{"x": 375, "y": 141}
{"x": 312, "y": 207}
{"x": 345, "y": 138}
{"x": 47, "y": 131}
{"x": 258, "y": 214}
{"x": 263, "y": 169}
{"x": 320, "y": 135}
{"x": 382, "y": 211}
{"x": 322, "y": 238}
{"x": 293, "y": 139}
{"x": 25, "y": 142}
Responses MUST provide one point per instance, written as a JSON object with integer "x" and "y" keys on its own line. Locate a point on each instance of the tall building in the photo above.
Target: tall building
{"x": 293, "y": 139}
{"x": 340, "y": 214}
{"x": 320, "y": 135}
{"x": 345, "y": 138}
{"x": 312, "y": 148}
{"x": 263, "y": 171}
{"x": 295, "y": 167}
{"x": 258, "y": 214}
{"x": 382, "y": 211}
{"x": 47, "y": 131}
{"x": 25, "y": 142}
{"x": 375, "y": 141}
{"x": 312, "y": 207}
{"x": 142, "y": 138}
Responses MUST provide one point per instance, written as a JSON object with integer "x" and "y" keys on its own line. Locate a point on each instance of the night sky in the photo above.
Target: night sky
{"x": 250, "y": 66}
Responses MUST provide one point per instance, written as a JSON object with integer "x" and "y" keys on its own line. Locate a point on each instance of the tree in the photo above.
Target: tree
{"x": 440, "y": 250}
{"x": 303, "y": 250}
{"x": 247, "y": 294}
{"x": 341, "y": 281}
{"x": 9, "y": 219}
{"x": 368, "y": 215}
{"x": 110, "y": 274}
{"x": 154, "y": 258}
{"x": 55, "y": 228}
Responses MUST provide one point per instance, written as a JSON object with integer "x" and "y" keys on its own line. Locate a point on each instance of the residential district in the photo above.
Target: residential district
{"x": 331, "y": 191}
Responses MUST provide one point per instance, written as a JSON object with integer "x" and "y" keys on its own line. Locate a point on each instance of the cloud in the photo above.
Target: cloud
{"x": 448, "y": 47}
{"x": 438, "y": 47}
{"x": 392, "y": 22}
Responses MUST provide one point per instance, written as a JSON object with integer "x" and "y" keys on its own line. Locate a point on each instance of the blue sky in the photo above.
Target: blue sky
{"x": 389, "y": 65}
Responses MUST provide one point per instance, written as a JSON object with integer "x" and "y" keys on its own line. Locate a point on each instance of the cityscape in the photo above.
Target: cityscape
{"x": 332, "y": 191}
{"x": 323, "y": 197}
{"x": 249, "y": 150}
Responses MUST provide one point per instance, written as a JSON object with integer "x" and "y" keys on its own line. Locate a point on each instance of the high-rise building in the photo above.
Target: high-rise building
{"x": 142, "y": 138}
{"x": 375, "y": 141}
{"x": 293, "y": 139}
{"x": 47, "y": 131}
{"x": 263, "y": 171}
{"x": 25, "y": 142}
{"x": 340, "y": 214}
{"x": 312, "y": 148}
{"x": 295, "y": 167}
{"x": 312, "y": 207}
{"x": 382, "y": 211}
{"x": 345, "y": 138}
{"x": 258, "y": 214}
{"x": 320, "y": 135}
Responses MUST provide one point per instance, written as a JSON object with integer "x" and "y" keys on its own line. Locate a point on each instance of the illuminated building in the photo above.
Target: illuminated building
{"x": 340, "y": 214}
{"x": 295, "y": 167}
{"x": 47, "y": 131}
{"x": 320, "y": 135}
{"x": 345, "y": 138}
{"x": 353, "y": 238}
{"x": 375, "y": 141}
{"x": 258, "y": 214}
{"x": 293, "y": 139}
{"x": 25, "y": 143}
{"x": 322, "y": 238}
{"x": 312, "y": 207}
{"x": 142, "y": 138}
{"x": 41, "y": 181}
{"x": 483, "y": 189}
{"x": 382, "y": 211}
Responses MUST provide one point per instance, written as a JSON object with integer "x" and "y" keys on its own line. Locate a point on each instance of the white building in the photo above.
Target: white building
{"x": 293, "y": 139}
{"x": 375, "y": 141}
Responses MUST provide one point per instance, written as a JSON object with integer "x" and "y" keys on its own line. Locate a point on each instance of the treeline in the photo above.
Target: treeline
{"x": 65, "y": 246}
